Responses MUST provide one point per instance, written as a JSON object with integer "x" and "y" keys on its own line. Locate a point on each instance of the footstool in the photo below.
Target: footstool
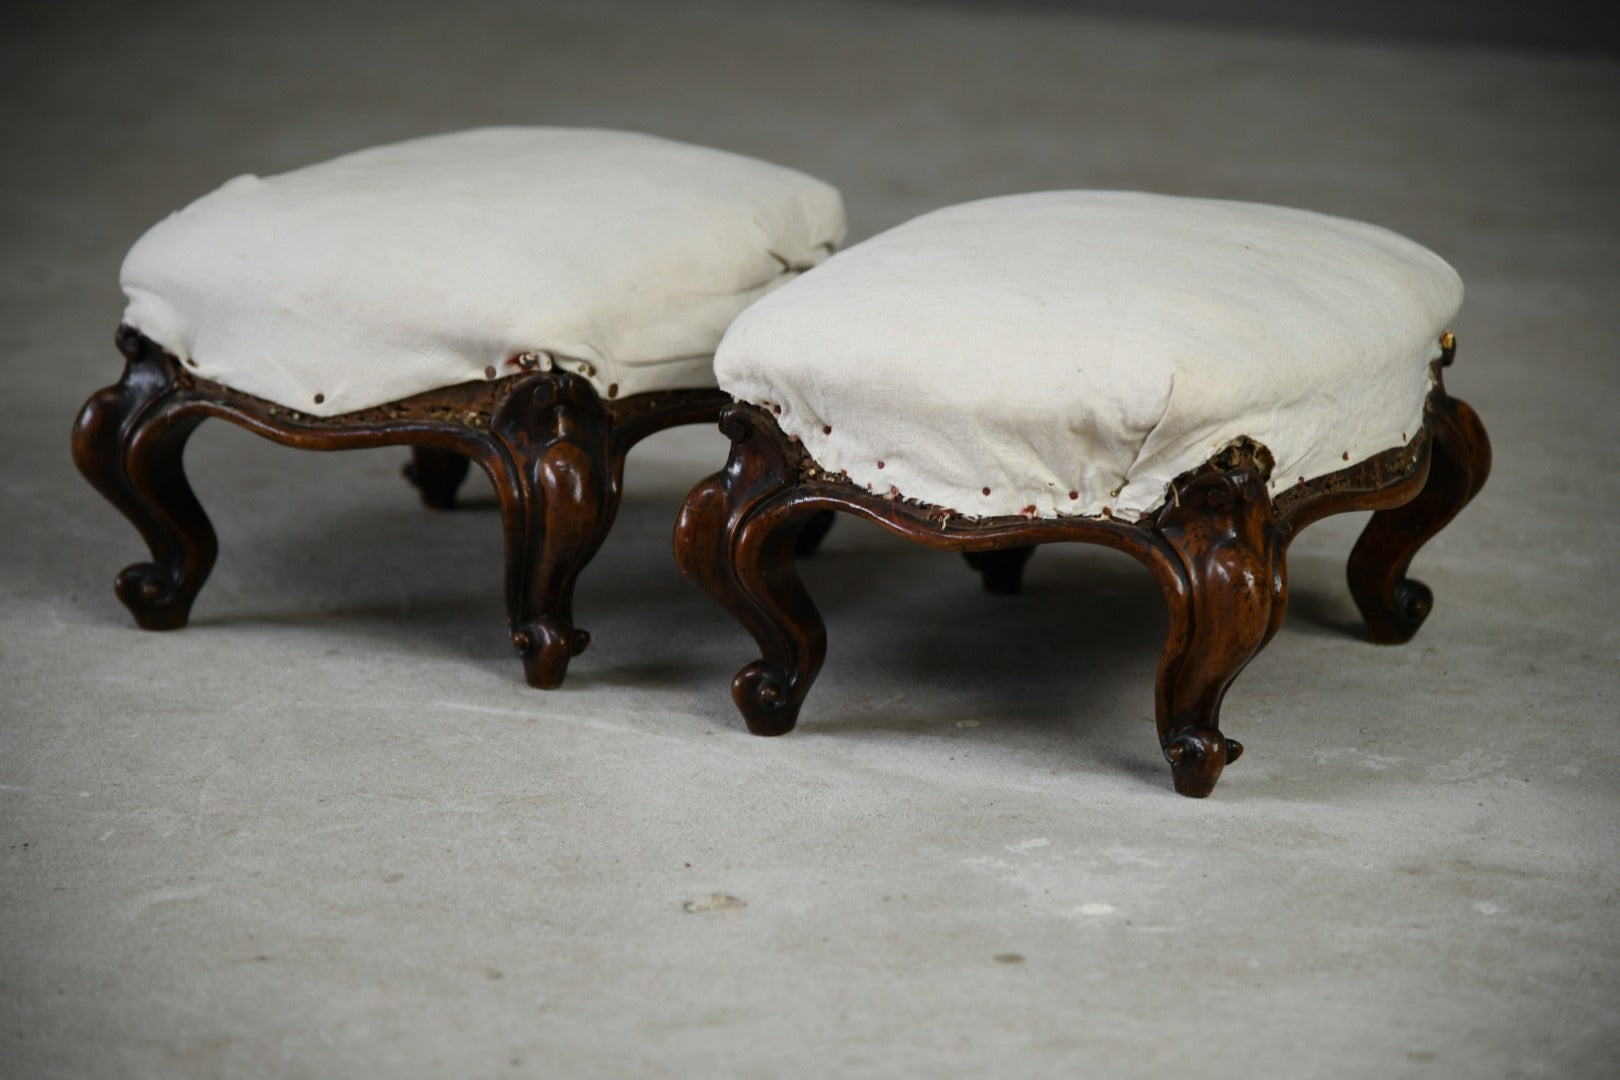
{"x": 536, "y": 300}
{"x": 1190, "y": 381}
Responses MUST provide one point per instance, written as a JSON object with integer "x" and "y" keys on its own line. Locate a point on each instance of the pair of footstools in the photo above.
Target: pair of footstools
{"x": 1191, "y": 381}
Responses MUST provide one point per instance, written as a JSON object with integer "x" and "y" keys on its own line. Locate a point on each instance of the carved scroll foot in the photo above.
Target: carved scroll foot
{"x": 1002, "y": 569}
{"x": 736, "y": 537}
{"x": 129, "y": 446}
{"x": 437, "y": 474}
{"x": 557, "y": 475}
{"x": 1392, "y": 604}
{"x": 1226, "y": 586}
{"x": 545, "y": 646}
{"x": 1197, "y": 757}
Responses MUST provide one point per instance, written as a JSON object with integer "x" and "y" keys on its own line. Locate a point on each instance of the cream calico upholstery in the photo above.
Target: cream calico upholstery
{"x": 407, "y": 268}
{"x": 1070, "y": 353}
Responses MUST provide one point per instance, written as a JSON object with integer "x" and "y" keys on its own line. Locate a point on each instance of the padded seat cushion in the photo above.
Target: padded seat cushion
{"x": 410, "y": 267}
{"x": 1073, "y": 352}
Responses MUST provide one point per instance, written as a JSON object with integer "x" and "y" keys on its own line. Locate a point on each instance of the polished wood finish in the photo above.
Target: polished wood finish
{"x": 1393, "y": 605}
{"x": 552, "y": 447}
{"x": 1217, "y": 548}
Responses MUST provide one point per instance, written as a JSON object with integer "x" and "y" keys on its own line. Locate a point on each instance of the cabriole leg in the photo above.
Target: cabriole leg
{"x": 557, "y": 479}
{"x": 1392, "y": 604}
{"x": 128, "y": 442}
{"x": 1224, "y": 581}
{"x": 736, "y": 537}
{"x": 437, "y": 474}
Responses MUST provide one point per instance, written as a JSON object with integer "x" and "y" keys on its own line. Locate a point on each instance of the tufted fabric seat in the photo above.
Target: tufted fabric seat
{"x": 405, "y": 268}
{"x": 532, "y": 299}
{"x": 1072, "y": 352}
{"x": 1188, "y": 381}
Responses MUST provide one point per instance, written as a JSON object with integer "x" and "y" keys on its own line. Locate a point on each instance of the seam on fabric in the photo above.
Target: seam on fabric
{"x": 1130, "y": 472}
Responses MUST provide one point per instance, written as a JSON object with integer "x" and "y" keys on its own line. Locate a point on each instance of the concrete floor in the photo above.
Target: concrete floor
{"x": 327, "y": 831}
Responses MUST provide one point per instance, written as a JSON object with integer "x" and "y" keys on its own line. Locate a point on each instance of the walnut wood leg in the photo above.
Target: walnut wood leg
{"x": 437, "y": 474}
{"x": 1392, "y": 604}
{"x": 1226, "y": 587}
{"x": 1002, "y": 568}
{"x": 129, "y": 446}
{"x": 557, "y": 475}
{"x": 815, "y": 530}
{"x": 736, "y": 537}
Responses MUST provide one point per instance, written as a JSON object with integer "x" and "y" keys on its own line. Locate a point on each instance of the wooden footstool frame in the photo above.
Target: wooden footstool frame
{"x": 552, "y": 446}
{"x": 1217, "y": 549}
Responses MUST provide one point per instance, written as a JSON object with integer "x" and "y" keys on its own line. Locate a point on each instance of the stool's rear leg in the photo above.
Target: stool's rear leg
{"x": 814, "y": 531}
{"x": 1392, "y": 604}
{"x": 1001, "y": 568}
{"x": 437, "y": 474}
{"x": 128, "y": 441}
{"x": 737, "y": 537}
{"x": 1224, "y": 579}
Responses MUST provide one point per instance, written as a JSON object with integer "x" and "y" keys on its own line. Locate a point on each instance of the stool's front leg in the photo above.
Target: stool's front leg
{"x": 1226, "y": 586}
{"x": 552, "y": 463}
{"x": 128, "y": 442}
{"x": 737, "y": 537}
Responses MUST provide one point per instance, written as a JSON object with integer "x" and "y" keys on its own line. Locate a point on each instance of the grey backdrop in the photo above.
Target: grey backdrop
{"x": 326, "y": 831}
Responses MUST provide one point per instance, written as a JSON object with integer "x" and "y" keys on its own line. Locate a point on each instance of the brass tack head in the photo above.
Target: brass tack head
{"x": 987, "y": 491}
{"x": 1448, "y": 340}
{"x": 826, "y": 430}
{"x": 489, "y": 373}
{"x": 880, "y": 464}
{"x": 1074, "y": 495}
{"x": 613, "y": 390}
{"x": 319, "y": 398}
